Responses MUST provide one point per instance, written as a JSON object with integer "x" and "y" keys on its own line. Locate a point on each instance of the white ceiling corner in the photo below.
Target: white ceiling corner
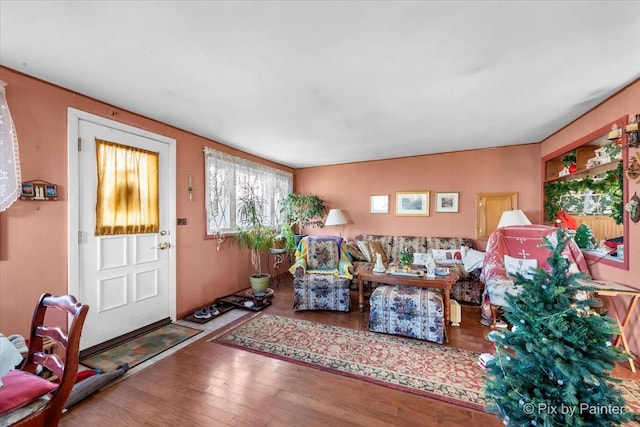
{"x": 315, "y": 83}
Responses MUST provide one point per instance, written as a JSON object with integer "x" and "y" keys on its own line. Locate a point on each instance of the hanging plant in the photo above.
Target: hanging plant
{"x": 610, "y": 184}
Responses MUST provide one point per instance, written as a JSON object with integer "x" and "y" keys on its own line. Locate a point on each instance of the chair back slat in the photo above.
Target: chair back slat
{"x": 63, "y": 361}
{"x": 50, "y": 361}
{"x": 54, "y": 333}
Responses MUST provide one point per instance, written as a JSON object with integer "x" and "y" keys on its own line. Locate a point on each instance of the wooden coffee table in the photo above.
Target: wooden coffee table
{"x": 365, "y": 274}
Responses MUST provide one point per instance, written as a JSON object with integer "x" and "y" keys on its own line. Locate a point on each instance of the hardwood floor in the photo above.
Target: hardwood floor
{"x": 208, "y": 384}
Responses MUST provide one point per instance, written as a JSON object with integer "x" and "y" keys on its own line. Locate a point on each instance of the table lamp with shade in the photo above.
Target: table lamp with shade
{"x": 514, "y": 217}
{"x": 336, "y": 217}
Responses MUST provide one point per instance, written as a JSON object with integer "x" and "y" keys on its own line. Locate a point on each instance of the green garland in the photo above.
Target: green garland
{"x": 611, "y": 184}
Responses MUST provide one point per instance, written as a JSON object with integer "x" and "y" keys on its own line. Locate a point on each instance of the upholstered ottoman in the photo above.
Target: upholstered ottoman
{"x": 409, "y": 311}
{"x": 316, "y": 291}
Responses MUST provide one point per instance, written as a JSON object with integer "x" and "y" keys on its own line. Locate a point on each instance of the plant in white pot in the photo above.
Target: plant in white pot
{"x": 254, "y": 233}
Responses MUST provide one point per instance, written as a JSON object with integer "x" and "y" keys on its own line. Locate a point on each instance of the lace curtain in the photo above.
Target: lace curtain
{"x": 127, "y": 200}
{"x": 225, "y": 178}
{"x": 9, "y": 159}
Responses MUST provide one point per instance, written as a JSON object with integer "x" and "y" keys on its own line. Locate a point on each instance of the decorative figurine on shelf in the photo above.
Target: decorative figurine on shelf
{"x": 584, "y": 237}
{"x": 379, "y": 267}
{"x": 589, "y": 205}
{"x": 431, "y": 267}
{"x": 633, "y": 207}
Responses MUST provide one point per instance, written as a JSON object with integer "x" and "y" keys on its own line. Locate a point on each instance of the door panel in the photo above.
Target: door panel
{"x": 125, "y": 279}
{"x": 490, "y": 207}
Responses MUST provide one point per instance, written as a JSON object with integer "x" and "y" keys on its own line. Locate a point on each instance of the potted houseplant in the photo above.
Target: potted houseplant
{"x": 300, "y": 211}
{"x": 255, "y": 234}
{"x": 570, "y": 160}
{"x": 406, "y": 258}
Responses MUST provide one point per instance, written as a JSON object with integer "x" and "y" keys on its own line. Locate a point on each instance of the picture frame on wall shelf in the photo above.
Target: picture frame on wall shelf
{"x": 379, "y": 204}
{"x": 50, "y": 190}
{"x": 447, "y": 202}
{"x": 412, "y": 203}
{"x": 27, "y": 190}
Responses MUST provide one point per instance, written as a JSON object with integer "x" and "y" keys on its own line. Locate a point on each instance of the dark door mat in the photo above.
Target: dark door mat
{"x": 239, "y": 300}
{"x": 222, "y": 307}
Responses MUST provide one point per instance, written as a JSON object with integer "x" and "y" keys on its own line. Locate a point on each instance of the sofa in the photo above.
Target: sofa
{"x": 517, "y": 248}
{"x": 446, "y": 251}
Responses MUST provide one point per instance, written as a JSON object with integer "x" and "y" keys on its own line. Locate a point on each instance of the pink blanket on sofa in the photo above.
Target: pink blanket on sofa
{"x": 525, "y": 242}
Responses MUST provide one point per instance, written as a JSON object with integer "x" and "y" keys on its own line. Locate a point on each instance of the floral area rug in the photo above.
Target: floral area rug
{"x": 443, "y": 373}
{"x": 140, "y": 349}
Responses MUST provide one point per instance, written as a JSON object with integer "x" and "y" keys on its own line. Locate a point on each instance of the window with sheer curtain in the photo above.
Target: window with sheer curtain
{"x": 227, "y": 175}
{"x": 127, "y": 200}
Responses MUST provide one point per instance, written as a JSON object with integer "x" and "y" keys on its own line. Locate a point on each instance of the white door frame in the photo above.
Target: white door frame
{"x": 73, "y": 254}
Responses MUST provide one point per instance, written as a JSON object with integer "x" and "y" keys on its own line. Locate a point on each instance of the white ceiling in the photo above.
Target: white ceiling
{"x": 323, "y": 82}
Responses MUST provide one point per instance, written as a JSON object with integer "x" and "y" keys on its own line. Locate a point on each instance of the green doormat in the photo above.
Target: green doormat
{"x": 141, "y": 348}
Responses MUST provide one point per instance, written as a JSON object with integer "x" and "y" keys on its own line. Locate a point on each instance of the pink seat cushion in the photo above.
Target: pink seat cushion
{"x": 20, "y": 388}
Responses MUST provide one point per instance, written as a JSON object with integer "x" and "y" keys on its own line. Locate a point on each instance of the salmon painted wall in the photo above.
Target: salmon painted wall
{"x": 626, "y": 102}
{"x": 515, "y": 168}
{"x": 494, "y": 170}
{"x": 33, "y": 235}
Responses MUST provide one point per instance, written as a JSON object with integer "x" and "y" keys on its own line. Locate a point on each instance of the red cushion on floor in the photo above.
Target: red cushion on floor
{"x": 20, "y": 388}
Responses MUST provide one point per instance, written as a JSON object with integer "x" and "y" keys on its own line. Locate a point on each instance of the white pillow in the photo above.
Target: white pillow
{"x": 472, "y": 260}
{"x": 444, "y": 256}
{"x": 420, "y": 258}
{"x": 523, "y": 266}
{"x": 10, "y": 357}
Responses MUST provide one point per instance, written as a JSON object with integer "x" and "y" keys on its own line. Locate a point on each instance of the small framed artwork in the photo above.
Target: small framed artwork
{"x": 27, "y": 190}
{"x": 447, "y": 202}
{"x": 412, "y": 203}
{"x": 50, "y": 190}
{"x": 379, "y": 204}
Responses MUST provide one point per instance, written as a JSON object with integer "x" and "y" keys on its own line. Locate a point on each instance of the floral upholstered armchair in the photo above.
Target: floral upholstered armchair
{"x": 322, "y": 273}
{"x": 517, "y": 248}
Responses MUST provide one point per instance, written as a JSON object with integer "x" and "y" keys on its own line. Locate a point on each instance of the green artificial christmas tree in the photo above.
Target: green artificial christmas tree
{"x": 584, "y": 237}
{"x": 552, "y": 368}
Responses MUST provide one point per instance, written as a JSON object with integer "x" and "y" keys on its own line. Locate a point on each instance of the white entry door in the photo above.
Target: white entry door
{"x": 127, "y": 280}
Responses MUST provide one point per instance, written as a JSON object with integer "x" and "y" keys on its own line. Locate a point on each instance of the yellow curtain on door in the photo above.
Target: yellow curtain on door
{"x": 127, "y": 190}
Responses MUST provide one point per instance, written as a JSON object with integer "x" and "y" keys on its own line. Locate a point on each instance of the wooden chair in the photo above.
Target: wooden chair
{"x": 65, "y": 367}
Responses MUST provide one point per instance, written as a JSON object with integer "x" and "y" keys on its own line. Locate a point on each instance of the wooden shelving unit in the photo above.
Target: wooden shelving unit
{"x": 38, "y": 190}
{"x": 592, "y": 148}
{"x": 579, "y": 174}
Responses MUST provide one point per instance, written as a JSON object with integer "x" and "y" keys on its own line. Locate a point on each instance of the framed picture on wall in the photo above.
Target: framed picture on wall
{"x": 412, "y": 203}
{"x": 447, "y": 202}
{"x": 379, "y": 204}
{"x": 50, "y": 190}
{"x": 27, "y": 190}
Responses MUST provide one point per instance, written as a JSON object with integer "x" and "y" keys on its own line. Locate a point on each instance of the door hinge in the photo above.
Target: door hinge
{"x": 79, "y": 237}
{"x": 79, "y": 144}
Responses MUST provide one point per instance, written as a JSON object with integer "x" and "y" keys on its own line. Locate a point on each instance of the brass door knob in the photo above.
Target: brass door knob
{"x": 163, "y": 245}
